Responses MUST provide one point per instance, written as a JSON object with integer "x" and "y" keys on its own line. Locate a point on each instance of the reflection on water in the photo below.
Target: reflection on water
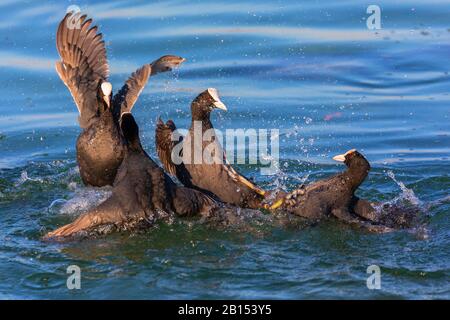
{"x": 312, "y": 70}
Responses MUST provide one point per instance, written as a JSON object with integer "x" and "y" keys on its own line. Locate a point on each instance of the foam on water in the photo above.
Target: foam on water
{"x": 24, "y": 178}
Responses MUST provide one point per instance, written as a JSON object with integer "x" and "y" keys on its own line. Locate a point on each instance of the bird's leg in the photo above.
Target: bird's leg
{"x": 344, "y": 215}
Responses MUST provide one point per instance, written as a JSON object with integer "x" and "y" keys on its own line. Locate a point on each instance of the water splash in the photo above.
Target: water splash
{"x": 282, "y": 180}
{"x": 407, "y": 194}
{"x": 24, "y": 178}
{"x": 83, "y": 200}
{"x": 404, "y": 211}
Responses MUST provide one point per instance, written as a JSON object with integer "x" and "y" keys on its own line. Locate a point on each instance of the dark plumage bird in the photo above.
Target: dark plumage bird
{"x": 335, "y": 196}
{"x": 141, "y": 193}
{"x": 84, "y": 70}
{"x": 214, "y": 175}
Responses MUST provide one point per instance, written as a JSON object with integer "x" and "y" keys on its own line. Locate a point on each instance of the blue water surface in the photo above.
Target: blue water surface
{"x": 311, "y": 69}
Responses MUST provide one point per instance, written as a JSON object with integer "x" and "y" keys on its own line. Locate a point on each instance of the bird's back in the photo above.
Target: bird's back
{"x": 317, "y": 199}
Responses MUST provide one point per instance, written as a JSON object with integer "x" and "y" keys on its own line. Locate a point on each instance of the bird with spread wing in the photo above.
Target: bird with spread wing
{"x": 84, "y": 69}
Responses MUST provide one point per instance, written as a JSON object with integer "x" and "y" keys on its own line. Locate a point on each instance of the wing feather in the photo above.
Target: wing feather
{"x": 126, "y": 97}
{"x": 165, "y": 145}
{"x": 83, "y": 66}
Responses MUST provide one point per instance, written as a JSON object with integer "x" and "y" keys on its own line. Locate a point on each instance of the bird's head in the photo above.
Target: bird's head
{"x": 352, "y": 158}
{"x": 205, "y": 102}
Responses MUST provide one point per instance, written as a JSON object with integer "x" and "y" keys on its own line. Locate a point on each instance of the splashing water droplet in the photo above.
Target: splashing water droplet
{"x": 83, "y": 200}
{"x": 407, "y": 194}
{"x": 24, "y": 177}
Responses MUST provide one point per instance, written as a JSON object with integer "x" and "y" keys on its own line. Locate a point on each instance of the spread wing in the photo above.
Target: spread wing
{"x": 165, "y": 146}
{"x": 83, "y": 64}
{"x": 126, "y": 97}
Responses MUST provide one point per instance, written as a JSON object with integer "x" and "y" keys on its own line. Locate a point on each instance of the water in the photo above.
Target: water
{"x": 314, "y": 71}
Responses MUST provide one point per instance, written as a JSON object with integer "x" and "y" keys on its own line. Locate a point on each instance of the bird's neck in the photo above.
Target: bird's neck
{"x": 200, "y": 115}
{"x": 134, "y": 145}
{"x": 357, "y": 173}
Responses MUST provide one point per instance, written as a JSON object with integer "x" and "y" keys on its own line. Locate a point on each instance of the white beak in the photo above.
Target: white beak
{"x": 340, "y": 158}
{"x": 219, "y": 105}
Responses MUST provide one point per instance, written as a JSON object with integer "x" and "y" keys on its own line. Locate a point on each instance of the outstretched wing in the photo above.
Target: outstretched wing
{"x": 164, "y": 147}
{"x": 83, "y": 64}
{"x": 165, "y": 144}
{"x": 126, "y": 97}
